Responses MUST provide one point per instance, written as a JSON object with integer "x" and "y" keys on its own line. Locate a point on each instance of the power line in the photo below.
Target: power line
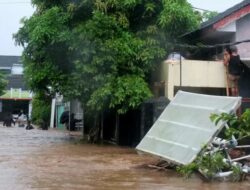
{"x": 202, "y": 46}
{"x": 202, "y": 9}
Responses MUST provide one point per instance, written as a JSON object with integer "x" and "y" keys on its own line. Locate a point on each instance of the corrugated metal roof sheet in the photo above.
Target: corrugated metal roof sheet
{"x": 185, "y": 127}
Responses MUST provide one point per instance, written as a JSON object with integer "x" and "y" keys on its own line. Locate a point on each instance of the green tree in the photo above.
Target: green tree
{"x": 46, "y": 61}
{"x": 41, "y": 110}
{"x": 100, "y": 51}
{"x": 207, "y": 15}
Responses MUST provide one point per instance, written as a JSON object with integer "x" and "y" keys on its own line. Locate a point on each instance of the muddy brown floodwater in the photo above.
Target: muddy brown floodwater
{"x": 52, "y": 160}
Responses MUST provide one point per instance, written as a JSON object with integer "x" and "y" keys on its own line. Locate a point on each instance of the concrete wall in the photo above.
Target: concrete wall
{"x": 190, "y": 73}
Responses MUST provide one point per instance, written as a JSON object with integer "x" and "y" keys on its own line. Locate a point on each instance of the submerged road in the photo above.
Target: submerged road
{"x": 54, "y": 160}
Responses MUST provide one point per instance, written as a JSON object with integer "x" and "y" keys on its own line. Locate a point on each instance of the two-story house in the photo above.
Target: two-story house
{"x": 16, "y": 97}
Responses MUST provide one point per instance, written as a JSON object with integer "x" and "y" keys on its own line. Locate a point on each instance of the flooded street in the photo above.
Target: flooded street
{"x": 54, "y": 160}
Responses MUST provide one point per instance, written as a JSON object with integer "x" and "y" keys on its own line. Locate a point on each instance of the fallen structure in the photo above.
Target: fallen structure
{"x": 184, "y": 128}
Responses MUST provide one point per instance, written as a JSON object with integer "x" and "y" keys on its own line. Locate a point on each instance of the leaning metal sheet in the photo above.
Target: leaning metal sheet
{"x": 185, "y": 127}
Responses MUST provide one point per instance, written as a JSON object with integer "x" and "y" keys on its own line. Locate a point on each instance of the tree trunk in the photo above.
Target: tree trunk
{"x": 117, "y": 131}
{"x": 101, "y": 128}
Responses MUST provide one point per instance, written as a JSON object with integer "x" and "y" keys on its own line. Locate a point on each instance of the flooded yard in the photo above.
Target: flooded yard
{"x": 54, "y": 160}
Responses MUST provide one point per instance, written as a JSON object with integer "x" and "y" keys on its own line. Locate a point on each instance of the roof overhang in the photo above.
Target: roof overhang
{"x": 16, "y": 99}
{"x": 16, "y": 94}
{"x": 224, "y": 23}
{"x": 232, "y": 18}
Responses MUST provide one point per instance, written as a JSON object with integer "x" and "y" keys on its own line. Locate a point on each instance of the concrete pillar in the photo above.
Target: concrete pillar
{"x": 52, "y": 115}
{"x": 30, "y": 109}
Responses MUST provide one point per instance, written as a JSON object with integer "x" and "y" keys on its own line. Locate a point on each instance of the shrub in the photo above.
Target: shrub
{"x": 41, "y": 111}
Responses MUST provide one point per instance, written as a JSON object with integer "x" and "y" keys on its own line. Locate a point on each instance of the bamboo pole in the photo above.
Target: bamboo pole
{"x": 226, "y": 58}
{"x": 227, "y": 81}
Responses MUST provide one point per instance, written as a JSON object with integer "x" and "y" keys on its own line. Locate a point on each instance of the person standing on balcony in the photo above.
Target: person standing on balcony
{"x": 234, "y": 67}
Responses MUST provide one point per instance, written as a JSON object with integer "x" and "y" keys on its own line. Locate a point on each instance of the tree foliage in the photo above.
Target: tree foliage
{"x": 212, "y": 161}
{"x": 207, "y": 15}
{"x": 100, "y": 51}
{"x": 238, "y": 126}
{"x": 204, "y": 16}
{"x": 41, "y": 110}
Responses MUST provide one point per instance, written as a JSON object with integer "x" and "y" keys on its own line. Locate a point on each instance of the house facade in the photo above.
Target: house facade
{"x": 231, "y": 27}
{"x": 16, "y": 97}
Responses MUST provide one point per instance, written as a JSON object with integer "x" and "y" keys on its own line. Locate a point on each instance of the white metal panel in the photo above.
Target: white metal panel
{"x": 185, "y": 127}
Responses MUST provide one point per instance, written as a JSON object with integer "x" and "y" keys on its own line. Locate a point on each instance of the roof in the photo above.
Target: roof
{"x": 8, "y": 61}
{"x": 16, "y": 94}
{"x": 226, "y": 14}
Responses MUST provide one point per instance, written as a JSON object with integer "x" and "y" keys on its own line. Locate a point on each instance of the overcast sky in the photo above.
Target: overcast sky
{"x": 214, "y": 5}
{"x": 11, "y": 11}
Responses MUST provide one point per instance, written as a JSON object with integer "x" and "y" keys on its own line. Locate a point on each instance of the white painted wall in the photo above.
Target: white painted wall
{"x": 52, "y": 114}
{"x": 194, "y": 74}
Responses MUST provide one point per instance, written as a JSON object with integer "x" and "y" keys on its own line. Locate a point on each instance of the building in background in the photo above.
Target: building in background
{"x": 16, "y": 97}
